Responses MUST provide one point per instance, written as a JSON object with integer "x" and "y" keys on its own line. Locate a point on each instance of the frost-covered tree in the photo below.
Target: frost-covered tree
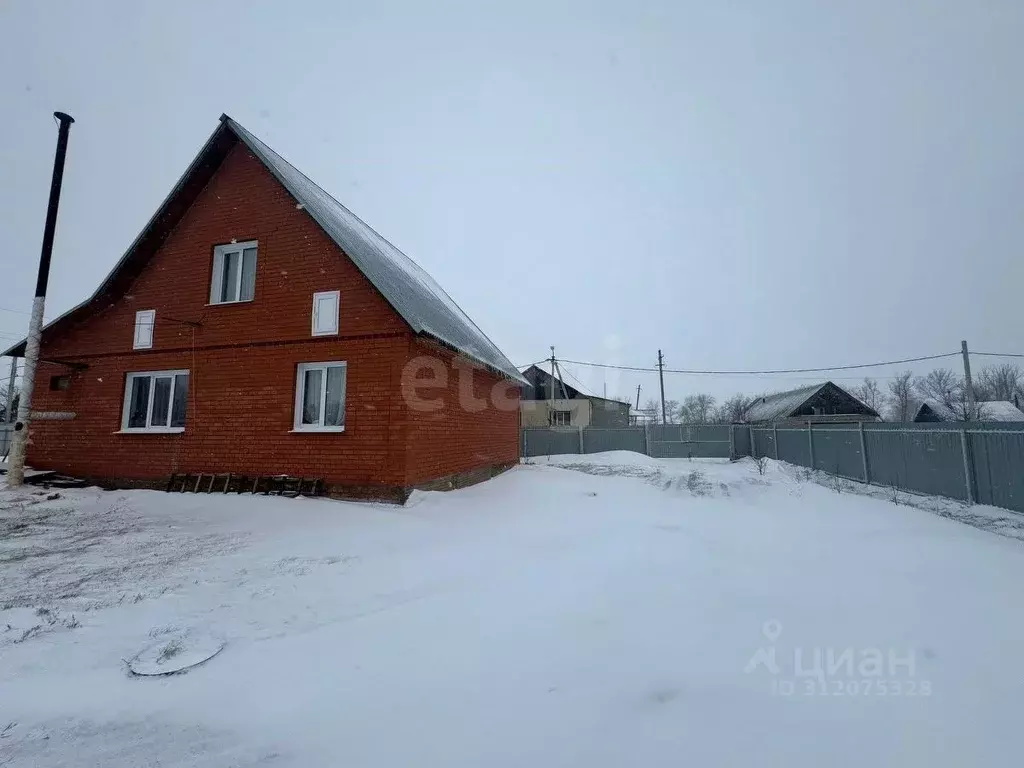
{"x": 698, "y": 409}
{"x": 999, "y": 382}
{"x": 902, "y": 400}
{"x": 672, "y": 414}
{"x": 651, "y": 411}
{"x": 949, "y": 390}
{"x": 733, "y": 409}
{"x": 940, "y": 385}
{"x": 870, "y": 394}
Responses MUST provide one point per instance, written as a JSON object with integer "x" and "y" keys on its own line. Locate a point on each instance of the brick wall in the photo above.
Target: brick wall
{"x": 462, "y": 432}
{"x": 242, "y": 360}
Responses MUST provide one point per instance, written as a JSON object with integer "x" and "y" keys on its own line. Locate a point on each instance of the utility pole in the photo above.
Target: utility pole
{"x": 16, "y": 460}
{"x": 551, "y": 391}
{"x": 661, "y": 381}
{"x": 638, "y": 397}
{"x": 971, "y": 411}
{"x": 9, "y": 405}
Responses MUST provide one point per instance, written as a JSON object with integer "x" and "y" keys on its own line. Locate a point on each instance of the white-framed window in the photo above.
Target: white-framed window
{"x": 234, "y": 273}
{"x": 560, "y": 418}
{"x": 325, "y": 312}
{"x": 155, "y": 401}
{"x": 145, "y": 321}
{"x": 320, "y": 397}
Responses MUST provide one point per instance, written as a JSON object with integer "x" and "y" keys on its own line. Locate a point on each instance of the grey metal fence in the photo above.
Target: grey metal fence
{"x": 976, "y": 462}
{"x": 979, "y": 462}
{"x": 6, "y": 432}
{"x": 660, "y": 441}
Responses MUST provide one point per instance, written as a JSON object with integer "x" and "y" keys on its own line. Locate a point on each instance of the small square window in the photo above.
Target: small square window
{"x": 145, "y": 321}
{"x": 60, "y": 383}
{"x": 320, "y": 397}
{"x": 560, "y": 418}
{"x": 234, "y": 273}
{"x": 325, "y": 313}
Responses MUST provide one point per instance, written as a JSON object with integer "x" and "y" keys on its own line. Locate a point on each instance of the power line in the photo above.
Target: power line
{"x": 15, "y": 311}
{"x": 767, "y": 372}
{"x": 573, "y": 377}
{"x": 997, "y": 354}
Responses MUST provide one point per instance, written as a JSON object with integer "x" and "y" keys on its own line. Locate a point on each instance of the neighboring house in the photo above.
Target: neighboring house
{"x": 818, "y": 403}
{"x": 993, "y": 410}
{"x": 257, "y": 326}
{"x": 572, "y": 408}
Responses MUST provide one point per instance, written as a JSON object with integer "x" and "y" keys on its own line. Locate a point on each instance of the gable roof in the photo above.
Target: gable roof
{"x": 781, "y": 405}
{"x": 420, "y": 301}
{"x": 536, "y": 376}
{"x": 989, "y": 410}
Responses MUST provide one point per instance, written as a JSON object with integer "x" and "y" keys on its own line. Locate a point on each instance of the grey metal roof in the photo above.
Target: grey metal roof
{"x": 781, "y": 404}
{"x": 407, "y": 287}
{"x": 988, "y": 410}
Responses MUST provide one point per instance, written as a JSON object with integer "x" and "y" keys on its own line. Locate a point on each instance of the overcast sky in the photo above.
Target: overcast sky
{"x": 745, "y": 185}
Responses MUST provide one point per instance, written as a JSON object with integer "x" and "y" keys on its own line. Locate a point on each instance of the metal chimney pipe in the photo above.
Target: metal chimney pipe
{"x": 16, "y": 460}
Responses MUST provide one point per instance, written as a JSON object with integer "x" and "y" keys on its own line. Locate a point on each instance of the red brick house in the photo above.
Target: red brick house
{"x": 257, "y": 326}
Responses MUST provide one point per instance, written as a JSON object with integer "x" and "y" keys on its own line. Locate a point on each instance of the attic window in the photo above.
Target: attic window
{"x": 234, "y": 273}
{"x": 145, "y": 320}
{"x": 60, "y": 383}
{"x": 325, "y": 313}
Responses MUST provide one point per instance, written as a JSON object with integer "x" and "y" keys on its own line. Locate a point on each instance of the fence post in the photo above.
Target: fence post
{"x": 863, "y": 452}
{"x": 753, "y": 445}
{"x": 810, "y": 441}
{"x": 647, "y": 439}
{"x": 775, "y": 439}
{"x": 967, "y": 466}
{"x": 581, "y": 440}
{"x": 732, "y": 442}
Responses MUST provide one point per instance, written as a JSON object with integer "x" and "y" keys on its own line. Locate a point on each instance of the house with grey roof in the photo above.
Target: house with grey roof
{"x": 817, "y": 403}
{"x": 992, "y": 410}
{"x": 257, "y": 327}
{"x": 547, "y": 401}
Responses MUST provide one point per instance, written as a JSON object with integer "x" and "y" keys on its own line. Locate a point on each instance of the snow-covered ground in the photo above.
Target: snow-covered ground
{"x": 603, "y": 610}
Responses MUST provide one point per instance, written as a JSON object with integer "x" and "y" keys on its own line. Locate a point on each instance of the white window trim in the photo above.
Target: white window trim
{"x": 337, "y": 312}
{"x": 144, "y": 317}
{"x": 218, "y": 260}
{"x": 126, "y": 404}
{"x": 297, "y": 425}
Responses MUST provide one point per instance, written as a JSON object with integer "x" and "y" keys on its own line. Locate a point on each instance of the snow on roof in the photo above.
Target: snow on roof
{"x": 941, "y": 411}
{"x": 781, "y": 404}
{"x": 989, "y": 410}
{"x": 407, "y": 287}
{"x": 1000, "y": 410}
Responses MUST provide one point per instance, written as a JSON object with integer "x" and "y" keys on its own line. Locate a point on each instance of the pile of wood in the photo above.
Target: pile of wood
{"x": 268, "y": 485}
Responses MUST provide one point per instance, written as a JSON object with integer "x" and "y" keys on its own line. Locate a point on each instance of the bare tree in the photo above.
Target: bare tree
{"x": 940, "y": 385}
{"x": 652, "y": 411}
{"x": 999, "y": 382}
{"x": 902, "y": 401}
{"x": 949, "y": 391}
{"x": 698, "y": 409}
{"x": 870, "y": 394}
{"x": 733, "y": 409}
{"x": 672, "y": 411}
